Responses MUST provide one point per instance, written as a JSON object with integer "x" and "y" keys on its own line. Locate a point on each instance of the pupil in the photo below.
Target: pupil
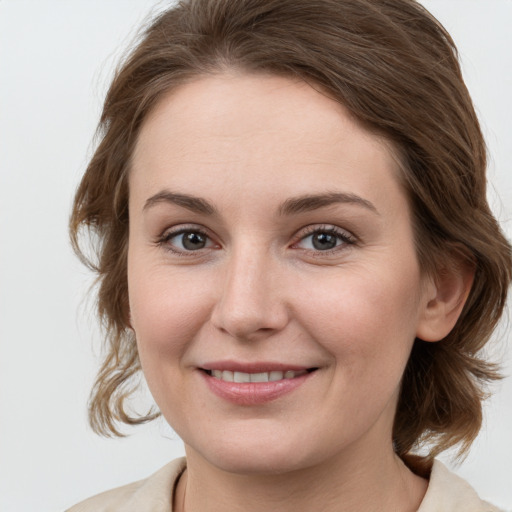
{"x": 324, "y": 241}
{"x": 193, "y": 241}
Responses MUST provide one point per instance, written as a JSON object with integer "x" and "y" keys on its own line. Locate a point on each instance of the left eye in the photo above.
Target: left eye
{"x": 186, "y": 241}
{"x": 324, "y": 240}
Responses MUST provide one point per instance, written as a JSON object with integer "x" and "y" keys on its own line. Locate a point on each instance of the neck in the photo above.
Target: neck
{"x": 378, "y": 482}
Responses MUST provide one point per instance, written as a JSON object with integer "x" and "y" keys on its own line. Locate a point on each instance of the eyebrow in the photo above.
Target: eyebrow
{"x": 293, "y": 205}
{"x": 194, "y": 204}
{"x": 308, "y": 203}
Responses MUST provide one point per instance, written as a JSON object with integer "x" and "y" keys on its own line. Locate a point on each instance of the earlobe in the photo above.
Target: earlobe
{"x": 444, "y": 298}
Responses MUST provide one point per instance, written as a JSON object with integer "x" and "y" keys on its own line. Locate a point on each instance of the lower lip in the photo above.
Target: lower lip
{"x": 253, "y": 393}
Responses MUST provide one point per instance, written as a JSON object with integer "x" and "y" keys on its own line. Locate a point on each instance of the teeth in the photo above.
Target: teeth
{"x": 242, "y": 377}
{"x": 273, "y": 376}
{"x": 223, "y": 375}
{"x": 227, "y": 376}
{"x": 259, "y": 377}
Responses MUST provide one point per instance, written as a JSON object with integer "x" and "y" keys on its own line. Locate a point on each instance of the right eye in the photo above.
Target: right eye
{"x": 186, "y": 240}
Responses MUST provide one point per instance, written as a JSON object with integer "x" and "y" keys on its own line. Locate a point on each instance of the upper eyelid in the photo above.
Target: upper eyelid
{"x": 315, "y": 228}
{"x": 183, "y": 228}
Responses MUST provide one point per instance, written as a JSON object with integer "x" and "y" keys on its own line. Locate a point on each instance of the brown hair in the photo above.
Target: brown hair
{"x": 396, "y": 69}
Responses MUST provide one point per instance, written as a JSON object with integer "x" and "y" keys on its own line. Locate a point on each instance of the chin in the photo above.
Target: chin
{"x": 254, "y": 464}
{"x": 258, "y": 454}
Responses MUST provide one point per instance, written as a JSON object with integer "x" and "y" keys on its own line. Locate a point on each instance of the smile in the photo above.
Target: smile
{"x": 243, "y": 377}
{"x": 257, "y": 384}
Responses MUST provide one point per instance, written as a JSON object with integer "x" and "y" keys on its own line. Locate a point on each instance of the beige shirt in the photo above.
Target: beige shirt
{"x": 446, "y": 493}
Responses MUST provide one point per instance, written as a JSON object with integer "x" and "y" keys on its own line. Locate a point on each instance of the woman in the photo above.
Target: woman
{"x": 296, "y": 249}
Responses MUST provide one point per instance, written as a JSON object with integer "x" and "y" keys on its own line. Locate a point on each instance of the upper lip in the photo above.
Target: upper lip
{"x": 253, "y": 367}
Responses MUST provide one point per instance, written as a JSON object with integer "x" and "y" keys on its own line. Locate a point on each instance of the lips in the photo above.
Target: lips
{"x": 253, "y": 384}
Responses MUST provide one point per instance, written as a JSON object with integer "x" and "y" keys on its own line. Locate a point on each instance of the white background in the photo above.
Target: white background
{"x": 56, "y": 58}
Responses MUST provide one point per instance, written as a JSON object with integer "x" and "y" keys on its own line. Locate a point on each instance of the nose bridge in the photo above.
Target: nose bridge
{"x": 249, "y": 302}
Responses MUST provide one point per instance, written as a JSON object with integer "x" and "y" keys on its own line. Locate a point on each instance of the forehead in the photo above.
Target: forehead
{"x": 257, "y": 132}
{"x": 217, "y": 103}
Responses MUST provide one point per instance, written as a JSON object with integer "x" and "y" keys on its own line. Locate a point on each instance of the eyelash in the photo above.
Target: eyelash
{"x": 343, "y": 236}
{"x": 167, "y": 236}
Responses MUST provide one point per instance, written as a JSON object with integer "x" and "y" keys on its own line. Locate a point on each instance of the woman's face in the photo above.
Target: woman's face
{"x": 274, "y": 287}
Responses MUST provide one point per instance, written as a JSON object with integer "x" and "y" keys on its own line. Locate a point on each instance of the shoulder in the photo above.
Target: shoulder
{"x": 154, "y": 494}
{"x": 447, "y": 492}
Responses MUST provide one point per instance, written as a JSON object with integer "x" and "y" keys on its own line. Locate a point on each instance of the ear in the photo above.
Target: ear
{"x": 444, "y": 297}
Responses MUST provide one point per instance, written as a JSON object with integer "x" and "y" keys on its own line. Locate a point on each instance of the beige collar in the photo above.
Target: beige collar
{"x": 446, "y": 493}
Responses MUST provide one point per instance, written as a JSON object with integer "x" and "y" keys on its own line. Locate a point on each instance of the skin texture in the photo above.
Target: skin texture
{"x": 259, "y": 290}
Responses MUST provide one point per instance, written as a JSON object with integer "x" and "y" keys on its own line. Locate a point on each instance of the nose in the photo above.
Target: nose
{"x": 251, "y": 302}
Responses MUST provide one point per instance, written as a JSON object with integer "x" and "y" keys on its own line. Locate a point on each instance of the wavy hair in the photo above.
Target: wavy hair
{"x": 396, "y": 69}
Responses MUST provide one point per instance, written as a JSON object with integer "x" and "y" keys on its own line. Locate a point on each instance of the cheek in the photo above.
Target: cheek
{"x": 366, "y": 321}
{"x": 167, "y": 309}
